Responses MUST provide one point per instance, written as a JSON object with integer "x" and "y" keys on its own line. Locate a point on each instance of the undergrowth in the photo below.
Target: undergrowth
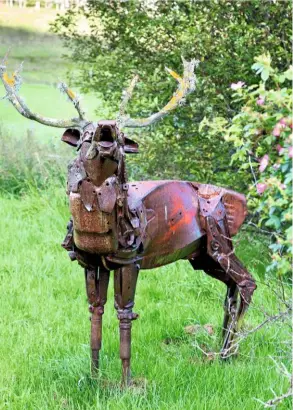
{"x": 26, "y": 164}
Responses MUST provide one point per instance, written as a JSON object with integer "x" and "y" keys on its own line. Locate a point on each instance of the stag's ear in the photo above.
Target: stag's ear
{"x": 130, "y": 146}
{"x": 71, "y": 137}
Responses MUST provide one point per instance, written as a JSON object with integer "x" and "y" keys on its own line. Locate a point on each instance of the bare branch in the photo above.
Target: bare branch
{"x": 278, "y": 399}
{"x": 185, "y": 87}
{"x": 12, "y": 86}
{"x": 251, "y": 169}
{"x": 272, "y": 403}
{"x": 282, "y": 369}
{"x": 241, "y": 336}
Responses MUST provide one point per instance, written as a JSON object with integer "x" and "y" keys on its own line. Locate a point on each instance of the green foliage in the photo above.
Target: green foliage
{"x": 261, "y": 134}
{"x": 119, "y": 38}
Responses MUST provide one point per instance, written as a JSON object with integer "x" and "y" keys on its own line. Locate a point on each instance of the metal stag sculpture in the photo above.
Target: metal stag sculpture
{"x": 127, "y": 226}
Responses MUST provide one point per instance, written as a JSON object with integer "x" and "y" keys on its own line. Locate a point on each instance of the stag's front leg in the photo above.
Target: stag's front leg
{"x": 125, "y": 280}
{"x": 97, "y": 281}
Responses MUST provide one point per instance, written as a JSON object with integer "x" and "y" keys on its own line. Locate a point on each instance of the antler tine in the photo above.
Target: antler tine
{"x": 73, "y": 97}
{"x": 12, "y": 85}
{"x": 185, "y": 87}
{"x": 127, "y": 94}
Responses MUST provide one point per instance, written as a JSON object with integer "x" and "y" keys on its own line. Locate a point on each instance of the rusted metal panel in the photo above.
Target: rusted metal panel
{"x": 107, "y": 195}
{"x": 76, "y": 174}
{"x": 173, "y": 231}
{"x": 236, "y": 210}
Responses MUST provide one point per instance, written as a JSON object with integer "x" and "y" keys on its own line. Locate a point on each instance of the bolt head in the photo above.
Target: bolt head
{"x": 215, "y": 245}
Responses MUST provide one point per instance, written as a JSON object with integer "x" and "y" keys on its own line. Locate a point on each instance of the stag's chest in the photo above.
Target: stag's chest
{"x": 93, "y": 210}
{"x": 94, "y": 218}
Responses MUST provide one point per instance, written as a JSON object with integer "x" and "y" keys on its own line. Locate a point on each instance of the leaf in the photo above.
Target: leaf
{"x": 265, "y": 74}
{"x": 273, "y": 222}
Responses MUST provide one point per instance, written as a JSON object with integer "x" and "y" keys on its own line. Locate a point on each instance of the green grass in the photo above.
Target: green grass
{"x": 44, "y": 327}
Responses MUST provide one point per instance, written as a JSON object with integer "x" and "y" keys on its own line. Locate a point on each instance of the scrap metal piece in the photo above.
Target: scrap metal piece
{"x": 76, "y": 174}
{"x": 97, "y": 281}
{"x": 236, "y": 210}
{"x": 107, "y": 195}
{"x": 220, "y": 249}
{"x": 88, "y": 195}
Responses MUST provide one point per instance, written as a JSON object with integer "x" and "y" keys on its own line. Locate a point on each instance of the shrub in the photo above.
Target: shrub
{"x": 261, "y": 134}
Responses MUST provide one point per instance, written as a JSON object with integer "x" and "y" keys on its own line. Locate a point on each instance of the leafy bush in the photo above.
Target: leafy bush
{"x": 27, "y": 164}
{"x": 261, "y": 134}
{"x": 110, "y": 41}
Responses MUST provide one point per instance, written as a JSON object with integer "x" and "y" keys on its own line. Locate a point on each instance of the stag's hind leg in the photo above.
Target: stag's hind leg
{"x": 213, "y": 269}
{"x": 97, "y": 281}
{"x": 125, "y": 280}
{"x": 219, "y": 247}
{"x": 230, "y": 324}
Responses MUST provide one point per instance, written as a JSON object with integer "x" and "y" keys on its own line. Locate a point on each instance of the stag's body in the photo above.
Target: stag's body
{"x": 165, "y": 220}
{"x": 127, "y": 226}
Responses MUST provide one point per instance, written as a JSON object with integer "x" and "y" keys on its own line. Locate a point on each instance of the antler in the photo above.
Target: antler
{"x": 186, "y": 86}
{"x": 12, "y": 86}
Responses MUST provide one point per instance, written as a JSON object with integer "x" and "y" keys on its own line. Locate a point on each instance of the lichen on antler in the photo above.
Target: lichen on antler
{"x": 185, "y": 87}
{"x": 12, "y": 86}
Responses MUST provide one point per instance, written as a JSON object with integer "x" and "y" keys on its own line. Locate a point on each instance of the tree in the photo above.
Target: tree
{"x": 141, "y": 36}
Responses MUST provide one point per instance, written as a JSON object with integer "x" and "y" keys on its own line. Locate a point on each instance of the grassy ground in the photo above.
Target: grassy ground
{"x": 44, "y": 328}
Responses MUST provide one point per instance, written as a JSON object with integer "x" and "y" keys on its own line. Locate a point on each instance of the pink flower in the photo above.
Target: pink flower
{"x": 277, "y": 131}
{"x": 290, "y": 152}
{"x": 278, "y": 127}
{"x": 264, "y": 163}
{"x": 236, "y": 86}
{"x": 280, "y": 149}
{"x": 283, "y": 121}
{"x": 260, "y": 101}
{"x": 261, "y": 187}
{"x": 276, "y": 166}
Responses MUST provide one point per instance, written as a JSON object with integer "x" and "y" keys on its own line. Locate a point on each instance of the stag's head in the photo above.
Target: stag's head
{"x": 101, "y": 145}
